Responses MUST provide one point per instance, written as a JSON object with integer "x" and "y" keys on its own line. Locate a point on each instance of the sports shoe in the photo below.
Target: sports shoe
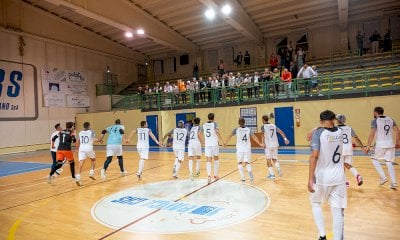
{"x": 191, "y": 177}
{"x": 216, "y": 178}
{"x": 78, "y": 183}
{"x": 359, "y": 180}
{"x": 243, "y": 180}
{"x": 393, "y": 185}
{"x": 322, "y": 238}
{"x": 59, "y": 171}
{"x": 347, "y": 184}
{"x": 139, "y": 176}
{"x": 175, "y": 176}
{"x": 103, "y": 174}
{"x": 209, "y": 179}
{"x": 280, "y": 172}
{"x": 49, "y": 179}
{"x": 251, "y": 177}
{"x": 383, "y": 181}
{"x": 271, "y": 176}
{"x": 197, "y": 174}
{"x": 124, "y": 173}
{"x": 91, "y": 174}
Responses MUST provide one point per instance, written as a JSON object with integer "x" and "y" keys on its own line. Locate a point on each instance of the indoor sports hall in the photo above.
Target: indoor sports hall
{"x": 166, "y": 63}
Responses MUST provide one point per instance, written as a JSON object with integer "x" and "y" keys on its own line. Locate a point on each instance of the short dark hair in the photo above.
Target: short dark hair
{"x": 69, "y": 125}
{"x": 327, "y": 115}
{"x": 211, "y": 116}
{"x": 265, "y": 117}
{"x": 117, "y": 121}
{"x": 379, "y": 110}
{"x": 242, "y": 121}
{"x": 86, "y": 125}
{"x": 142, "y": 123}
{"x": 196, "y": 120}
{"x": 57, "y": 126}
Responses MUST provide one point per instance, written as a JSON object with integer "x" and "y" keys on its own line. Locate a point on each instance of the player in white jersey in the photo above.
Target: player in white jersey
{"x": 382, "y": 128}
{"x": 142, "y": 145}
{"x": 243, "y": 148}
{"x": 348, "y": 136}
{"x": 53, "y": 149}
{"x": 194, "y": 148}
{"x": 85, "y": 140}
{"x": 327, "y": 181}
{"x": 179, "y": 134}
{"x": 271, "y": 144}
{"x": 211, "y": 134}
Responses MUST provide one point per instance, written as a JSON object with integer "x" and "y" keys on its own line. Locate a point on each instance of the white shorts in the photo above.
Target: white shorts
{"x": 211, "y": 151}
{"x": 180, "y": 154}
{"x": 143, "y": 153}
{"x": 113, "y": 150}
{"x": 336, "y": 196}
{"x": 82, "y": 155}
{"x": 387, "y": 154}
{"x": 271, "y": 152}
{"x": 194, "y": 149}
{"x": 348, "y": 159}
{"x": 243, "y": 157}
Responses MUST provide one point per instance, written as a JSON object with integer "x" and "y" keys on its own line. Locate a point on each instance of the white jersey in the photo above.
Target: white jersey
{"x": 329, "y": 170}
{"x": 86, "y": 140}
{"x": 210, "y": 135}
{"x": 243, "y": 143}
{"x": 384, "y": 131}
{"x": 194, "y": 135}
{"x": 56, "y": 142}
{"x": 270, "y": 135}
{"x": 142, "y": 137}
{"x": 179, "y": 136}
{"x": 348, "y": 134}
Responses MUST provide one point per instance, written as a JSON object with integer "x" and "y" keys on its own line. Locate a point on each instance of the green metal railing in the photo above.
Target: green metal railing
{"x": 324, "y": 87}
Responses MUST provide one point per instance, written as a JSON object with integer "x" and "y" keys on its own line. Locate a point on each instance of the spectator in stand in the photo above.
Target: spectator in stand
{"x": 196, "y": 71}
{"x": 190, "y": 89}
{"x": 203, "y": 89}
{"x": 182, "y": 90}
{"x": 387, "y": 42}
{"x": 209, "y": 90}
{"x": 306, "y": 72}
{"x": 246, "y": 59}
{"x": 287, "y": 81}
{"x": 196, "y": 89}
{"x": 300, "y": 57}
{"x": 273, "y": 61}
{"x": 247, "y": 83}
{"x": 282, "y": 55}
{"x": 267, "y": 75}
{"x": 239, "y": 59}
{"x": 276, "y": 78}
{"x": 293, "y": 71}
{"x": 223, "y": 84}
{"x": 239, "y": 79}
{"x": 290, "y": 51}
{"x": 314, "y": 82}
{"x": 256, "y": 80}
{"x": 221, "y": 67}
{"x": 360, "y": 42}
{"x": 374, "y": 39}
{"x": 231, "y": 85}
{"x": 175, "y": 91}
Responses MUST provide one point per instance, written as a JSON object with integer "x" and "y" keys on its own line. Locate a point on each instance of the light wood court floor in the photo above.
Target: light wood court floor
{"x": 30, "y": 208}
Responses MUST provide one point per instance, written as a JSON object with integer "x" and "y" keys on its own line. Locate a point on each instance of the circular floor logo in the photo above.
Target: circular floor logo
{"x": 180, "y": 206}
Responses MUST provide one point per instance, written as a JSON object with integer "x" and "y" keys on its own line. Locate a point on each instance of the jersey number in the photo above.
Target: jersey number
{"x": 244, "y": 139}
{"x": 387, "y": 129}
{"x": 142, "y": 136}
{"x": 63, "y": 138}
{"x": 208, "y": 132}
{"x": 179, "y": 136}
{"x": 345, "y": 138}
{"x": 84, "y": 139}
{"x": 272, "y": 132}
{"x": 192, "y": 135}
{"x": 336, "y": 155}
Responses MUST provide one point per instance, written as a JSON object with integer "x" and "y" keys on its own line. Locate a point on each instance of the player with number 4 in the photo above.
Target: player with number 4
{"x": 142, "y": 145}
{"x": 382, "y": 128}
{"x": 271, "y": 144}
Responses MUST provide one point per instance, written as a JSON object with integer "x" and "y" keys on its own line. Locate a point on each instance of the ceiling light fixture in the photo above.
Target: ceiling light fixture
{"x": 210, "y": 14}
{"x": 128, "y": 34}
{"x": 140, "y": 31}
{"x": 226, "y": 9}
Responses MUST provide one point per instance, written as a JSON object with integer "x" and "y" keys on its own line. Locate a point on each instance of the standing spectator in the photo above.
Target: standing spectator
{"x": 360, "y": 42}
{"x": 287, "y": 81}
{"x": 314, "y": 82}
{"x": 387, "y": 42}
{"x": 290, "y": 51}
{"x": 203, "y": 88}
{"x": 231, "y": 85}
{"x": 249, "y": 87}
{"x": 196, "y": 89}
{"x": 306, "y": 72}
{"x": 300, "y": 57}
{"x": 256, "y": 80}
{"x": 282, "y": 55}
{"x": 239, "y": 59}
{"x": 273, "y": 61}
{"x": 293, "y": 71}
{"x": 246, "y": 59}
{"x": 182, "y": 90}
{"x": 196, "y": 71}
{"x": 374, "y": 39}
{"x": 276, "y": 79}
{"x": 221, "y": 67}
{"x": 175, "y": 92}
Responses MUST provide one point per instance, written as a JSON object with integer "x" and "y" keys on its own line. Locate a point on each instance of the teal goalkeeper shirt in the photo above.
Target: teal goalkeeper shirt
{"x": 115, "y": 134}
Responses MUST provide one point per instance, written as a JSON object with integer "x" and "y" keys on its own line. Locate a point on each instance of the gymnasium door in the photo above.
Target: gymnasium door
{"x": 152, "y": 121}
{"x": 284, "y": 121}
{"x": 185, "y": 117}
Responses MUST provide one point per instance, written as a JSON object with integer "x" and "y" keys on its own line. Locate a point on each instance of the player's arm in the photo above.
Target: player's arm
{"x": 155, "y": 139}
{"x": 311, "y": 172}
{"x": 397, "y": 131}
{"x": 200, "y": 135}
{"x": 219, "y": 136}
{"x": 228, "y": 139}
{"x": 134, "y": 131}
{"x": 357, "y": 139}
{"x": 283, "y": 135}
{"x": 103, "y": 133}
{"x": 310, "y": 133}
{"x": 53, "y": 140}
{"x": 255, "y": 138}
{"x": 166, "y": 135}
{"x": 370, "y": 140}
{"x": 78, "y": 143}
{"x": 122, "y": 132}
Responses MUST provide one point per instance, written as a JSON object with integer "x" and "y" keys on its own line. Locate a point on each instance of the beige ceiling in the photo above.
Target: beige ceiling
{"x": 179, "y": 26}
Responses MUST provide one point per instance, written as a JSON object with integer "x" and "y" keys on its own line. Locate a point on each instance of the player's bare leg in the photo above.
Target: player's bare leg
{"x": 271, "y": 174}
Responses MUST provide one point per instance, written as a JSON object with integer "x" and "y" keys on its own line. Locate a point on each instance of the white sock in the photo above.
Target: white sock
{"x": 91, "y": 171}
{"x": 240, "y": 167}
{"x": 379, "y": 168}
{"x": 198, "y": 165}
{"x": 208, "y": 165}
{"x": 353, "y": 170}
{"x": 271, "y": 171}
{"x": 277, "y": 165}
{"x": 391, "y": 171}
{"x": 318, "y": 218}
{"x": 216, "y": 168}
{"x": 141, "y": 166}
{"x": 77, "y": 177}
{"x": 248, "y": 167}
{"x": 177, "y": 166}
{"x": 338, "y": 223}
{"x": 190, "y": 166}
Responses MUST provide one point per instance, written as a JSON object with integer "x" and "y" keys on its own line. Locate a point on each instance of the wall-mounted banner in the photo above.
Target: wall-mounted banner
{"x": 77, "y": 101}
{"x": 18, "y": 91}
